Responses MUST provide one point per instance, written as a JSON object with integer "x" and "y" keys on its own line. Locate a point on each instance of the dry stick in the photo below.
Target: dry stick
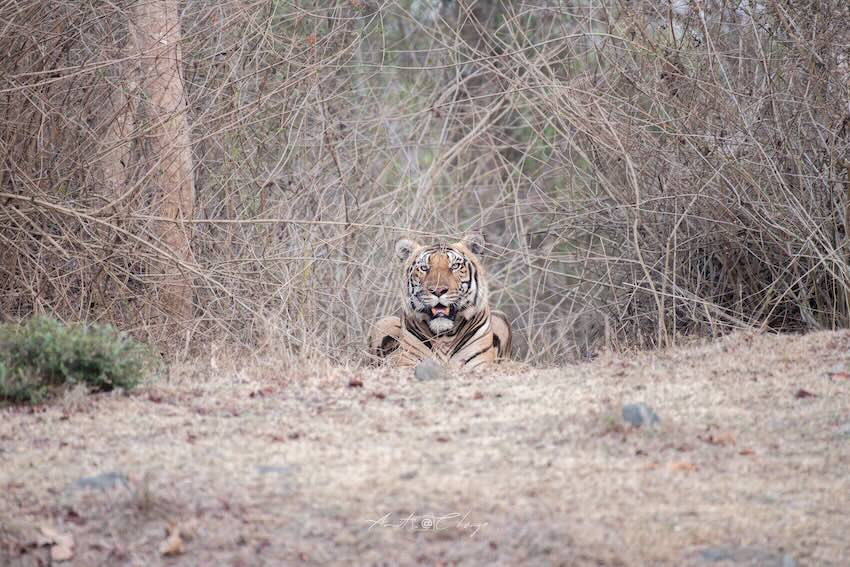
{"x": 332, "y": 150}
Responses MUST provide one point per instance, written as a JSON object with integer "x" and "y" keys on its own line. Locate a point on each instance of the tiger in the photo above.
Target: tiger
{"x": 445, "y": 312}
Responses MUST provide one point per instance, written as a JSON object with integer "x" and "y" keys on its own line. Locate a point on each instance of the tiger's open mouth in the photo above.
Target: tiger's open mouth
{"x": 446, "y": 311}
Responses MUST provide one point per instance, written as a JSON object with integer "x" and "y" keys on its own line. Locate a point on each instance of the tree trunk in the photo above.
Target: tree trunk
{"x": 155, "y": 26}
{"x": 116, "y": 141}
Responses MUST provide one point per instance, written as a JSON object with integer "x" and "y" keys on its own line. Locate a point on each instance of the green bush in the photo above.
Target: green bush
{"x": 43, "y": 355}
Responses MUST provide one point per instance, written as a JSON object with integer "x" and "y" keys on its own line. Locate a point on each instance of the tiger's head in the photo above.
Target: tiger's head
{"x": 443, "y": 284}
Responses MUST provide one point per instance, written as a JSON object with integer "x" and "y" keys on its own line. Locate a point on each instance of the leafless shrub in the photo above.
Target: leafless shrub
{"x": 641, "y": 170}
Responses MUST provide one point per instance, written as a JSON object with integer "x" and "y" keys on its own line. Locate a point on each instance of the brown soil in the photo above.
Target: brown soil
{"x": 231, "y": 465}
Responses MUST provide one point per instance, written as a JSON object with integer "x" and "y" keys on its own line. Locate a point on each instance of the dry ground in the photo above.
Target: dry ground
{"x": 253, "y": 465}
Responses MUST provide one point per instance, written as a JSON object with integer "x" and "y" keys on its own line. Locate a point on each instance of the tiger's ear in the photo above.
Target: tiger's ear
{"x": 404, "y": 248}
{"x": 474, "y": 241}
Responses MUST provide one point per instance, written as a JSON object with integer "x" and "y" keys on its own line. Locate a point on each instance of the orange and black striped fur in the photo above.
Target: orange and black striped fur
{"x": 445, "y": 311}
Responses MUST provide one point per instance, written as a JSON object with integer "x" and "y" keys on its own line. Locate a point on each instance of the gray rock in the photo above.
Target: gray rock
{"x": 429, "y": 369}
{"x": 843, "y": 431}
{"x": 749, "y": 556}
{"x": 639, "y": 414}
{"x": 103, "y": 481}
{"x": 269, "y": 469}
{"x": 714, "y": 554}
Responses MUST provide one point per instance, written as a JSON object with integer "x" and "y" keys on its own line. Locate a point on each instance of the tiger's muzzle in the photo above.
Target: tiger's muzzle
{"x": 441, "y": 311}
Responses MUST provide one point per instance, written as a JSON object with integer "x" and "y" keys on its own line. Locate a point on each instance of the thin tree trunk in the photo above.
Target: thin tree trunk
{"x": 156, "y": 32}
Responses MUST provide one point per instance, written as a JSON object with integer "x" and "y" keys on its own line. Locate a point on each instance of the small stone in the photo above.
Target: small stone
{"x": 746, "y": 556}
{"x": 104, "y": 481}
{"x": 429, "y": 369}
{"x": 265, "y": 469}
{"x": 715, "y": 554}
{"x": 639, "y": 414}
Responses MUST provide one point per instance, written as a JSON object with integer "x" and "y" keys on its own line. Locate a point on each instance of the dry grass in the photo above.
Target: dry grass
{"x": 539, "y": 457}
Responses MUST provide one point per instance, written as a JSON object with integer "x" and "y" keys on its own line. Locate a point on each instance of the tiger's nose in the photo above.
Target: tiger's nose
{"x": 439, "y": 291}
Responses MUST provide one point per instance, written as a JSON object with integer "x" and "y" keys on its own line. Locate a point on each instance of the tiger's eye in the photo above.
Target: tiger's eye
{"x": 456, "y": 266}
{"x": 423, "y": 268}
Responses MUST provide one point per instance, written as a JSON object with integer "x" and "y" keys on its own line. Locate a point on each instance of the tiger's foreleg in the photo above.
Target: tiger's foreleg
{"x": 384, "y": 336}
{"x": 502, "y": 335}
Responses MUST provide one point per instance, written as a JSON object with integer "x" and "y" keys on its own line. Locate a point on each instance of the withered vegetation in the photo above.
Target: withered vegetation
{"x": 238, "y": 171}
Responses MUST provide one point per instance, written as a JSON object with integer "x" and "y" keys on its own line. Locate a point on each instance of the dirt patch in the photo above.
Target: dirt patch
{"x": 253, "y": 466}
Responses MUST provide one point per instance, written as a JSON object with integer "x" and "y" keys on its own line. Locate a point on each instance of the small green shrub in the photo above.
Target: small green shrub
{"x": 44, "y": 355}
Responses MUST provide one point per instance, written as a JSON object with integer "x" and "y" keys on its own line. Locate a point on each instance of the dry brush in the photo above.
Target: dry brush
{"x": 239, "y": 170}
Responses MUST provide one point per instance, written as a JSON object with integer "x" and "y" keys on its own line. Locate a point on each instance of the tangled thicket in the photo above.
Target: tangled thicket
{"x": 641, "y": 170}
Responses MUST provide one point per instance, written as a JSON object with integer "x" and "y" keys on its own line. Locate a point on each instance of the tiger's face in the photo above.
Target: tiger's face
{"x": 443, "y": 283}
